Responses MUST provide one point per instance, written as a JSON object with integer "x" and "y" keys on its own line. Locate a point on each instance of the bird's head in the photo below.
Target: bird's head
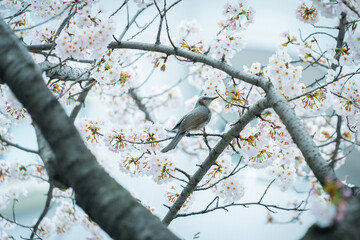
{"x": 205, "y": 101}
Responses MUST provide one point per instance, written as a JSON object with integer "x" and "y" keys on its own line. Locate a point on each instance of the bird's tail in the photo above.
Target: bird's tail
{"x": 179, "y": 135}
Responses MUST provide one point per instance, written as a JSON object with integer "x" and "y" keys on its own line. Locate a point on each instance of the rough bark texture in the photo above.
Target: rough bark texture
{"x": 101, "y": 197}
{"x": 304, "y": 142}
{"x": 320, "y": 168}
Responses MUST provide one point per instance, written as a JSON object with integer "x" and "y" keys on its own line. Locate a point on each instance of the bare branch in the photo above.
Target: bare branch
{"x": 7, "y": 142}
{"x": 71, "y": 154}
{"x": 269, "y": 207}
{"x": 44, "y": 212}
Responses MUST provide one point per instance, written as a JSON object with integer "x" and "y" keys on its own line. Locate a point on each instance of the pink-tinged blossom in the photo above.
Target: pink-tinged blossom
{"x": 44, "y": 34}
{"x": 346, "y": 60}
{"x": 111, "y": 77}
{"x": 345, "y": 96}
{"x": 187, "y": 28}
{"x": 151, "y": 133}
{"x": 324, "y": 211}
{"x": 227, "y": 46}
{"x": 214, "y": 82}
{"x": 327, "y": 8}
{"x": 5, "y": 236}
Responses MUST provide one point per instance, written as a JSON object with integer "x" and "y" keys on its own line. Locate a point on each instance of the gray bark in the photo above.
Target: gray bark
{"x": 303, "y": 140}
{"x": 101, "y": 197}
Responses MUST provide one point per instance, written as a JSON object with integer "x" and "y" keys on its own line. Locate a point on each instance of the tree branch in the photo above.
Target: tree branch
{"x": 101, "y": 197}
{"x": 7, "y": 142}
{"x": 299, "y": 134}
{"x": 254, "y": 111}
{"x": 44, "y": 212}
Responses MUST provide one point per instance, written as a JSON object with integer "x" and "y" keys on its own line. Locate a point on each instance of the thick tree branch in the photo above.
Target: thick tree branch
{"x": 101, "y": 197}
{"x": 254, "y": 111}
{"x": 321, "y": 170}
{"x": 299, "y": 134}
{"x": 65, "y": 73}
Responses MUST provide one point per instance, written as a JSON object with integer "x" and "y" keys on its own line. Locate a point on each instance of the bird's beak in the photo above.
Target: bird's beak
{"x": 215, "y": 97}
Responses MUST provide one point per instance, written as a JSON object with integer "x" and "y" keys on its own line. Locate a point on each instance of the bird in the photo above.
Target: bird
{"x": 194, "y": 120}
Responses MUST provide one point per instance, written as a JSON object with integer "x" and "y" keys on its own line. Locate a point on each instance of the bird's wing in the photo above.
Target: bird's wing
{"x": 178, "y": 123}
{"x": 193, "y": 120}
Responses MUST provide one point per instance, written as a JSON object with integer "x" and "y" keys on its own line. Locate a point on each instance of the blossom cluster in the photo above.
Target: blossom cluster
{"x": 331, "y": 9}
{"x": 224, "y": 182}
{"x": 269, "y": 146}
{"x": 110, "y": 76}
{"x": 209, "y": 79}
{"x": 67, "y": 215}
{"x": 134, "y": 144}
{"x": 12, "y": 175}
{"x": 186, "y": 28}
{"x": 229, "y": 40}
{"x": 11, "y": 110}
{"x": 139, "y": 149}
{"x": 86, "y": 42}
{"x": 329, "y": 204}
{"x": 283, "y": 75}
{"x": 47, "y": 8}
{"x": 172, "y": 194}
{"x": 345, "y": 96}
{"x": 145, "y": 137}
{"x": 238, "y": 16}
{"x": 307, "y": 14}
{"x": 160, "y": 166}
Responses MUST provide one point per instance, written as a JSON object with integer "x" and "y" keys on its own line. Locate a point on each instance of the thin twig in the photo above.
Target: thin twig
{"x": 44, "y": 212}
{"x": 7, "y": 142}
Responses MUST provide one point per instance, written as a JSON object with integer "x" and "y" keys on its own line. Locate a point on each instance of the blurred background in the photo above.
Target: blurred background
{"x": 262, "y": 39}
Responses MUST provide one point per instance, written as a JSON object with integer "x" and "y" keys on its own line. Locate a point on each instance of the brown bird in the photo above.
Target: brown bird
{"x": 194, "y": 120}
